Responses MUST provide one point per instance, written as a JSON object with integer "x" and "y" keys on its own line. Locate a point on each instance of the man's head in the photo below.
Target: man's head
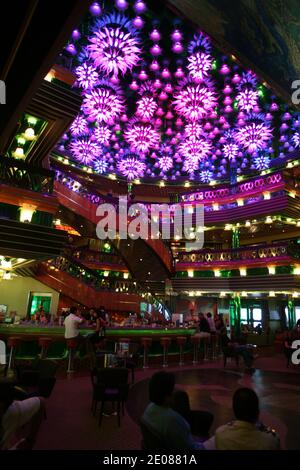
{"x": 161, "y": 388}
{"x": 74, "y": 310}
{"x": 245, "y": 405}
{"x": 209, "y": 315}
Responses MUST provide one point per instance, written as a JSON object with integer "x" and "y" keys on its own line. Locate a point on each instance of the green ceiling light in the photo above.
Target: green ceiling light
{"x": 32, "y": 120}
{"x": 21, "y": 140}
{"x": 214, "y": 65}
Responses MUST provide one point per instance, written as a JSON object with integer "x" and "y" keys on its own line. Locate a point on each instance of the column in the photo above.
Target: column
{"x": 235, "y": 313}
{"x": 291, "y": 313}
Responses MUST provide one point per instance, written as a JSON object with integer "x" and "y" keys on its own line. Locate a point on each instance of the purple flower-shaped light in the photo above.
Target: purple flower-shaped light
{"x": 253, "y": 136}
{"x": 194, "y": 101}
{"x": 201, "y": 42}
{"x": 262, "y": 162}
{"x": 197, "y": 149}
{"x": 165, "y": 163}
{"x": 230, "y": 150}
{"x": 79, "y": 126}
{"x": 114, "y": 45}
{"x": 190, "y": 164}
{"x": 84, "y": 150}
{"x": 102, "y": 134}
{"x": 296, "y": 140}
{"x": 87, "y": 76}
{"x": 104, "y": 103}
{"x": 101, "y": 165}
{"x": 146, "y": 107}
{"x": 247, "y": 99}
{"x": 199, "y": 66}
{"x": 206, "y": 176}
{"x": 131, "y": 167}
{"x": 141, "y": 137}
{"x": 194, "y": 129}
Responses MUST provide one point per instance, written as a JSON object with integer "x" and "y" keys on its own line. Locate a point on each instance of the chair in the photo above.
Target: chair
{"x": 109, "y": 385}
{"x": 196, "y": 342}
{"x": 230, "y": 352}
{"x": 130, "y": 360}
{"x": 38, "y": 379}
{"x": 151, "y": 440}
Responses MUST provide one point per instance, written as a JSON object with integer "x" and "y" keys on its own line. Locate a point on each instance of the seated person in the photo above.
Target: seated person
{"x": 15, "y": 415}
{"x": 170, "y": 426}
{"x": 72, "y": 322}
{"x": 243, "y": 350}
{"x": 200, "y": 421}
{"x": 245, "y": 433}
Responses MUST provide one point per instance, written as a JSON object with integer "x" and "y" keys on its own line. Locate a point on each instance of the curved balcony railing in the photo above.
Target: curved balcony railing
{"x": 247, "y": 254}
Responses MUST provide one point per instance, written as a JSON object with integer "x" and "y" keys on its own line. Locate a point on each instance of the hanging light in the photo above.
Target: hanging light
{"x": 26, "y": 212}
{"x": 29, "y": 133}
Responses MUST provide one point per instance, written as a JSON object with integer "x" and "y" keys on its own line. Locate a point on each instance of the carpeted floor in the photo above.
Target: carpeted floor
{"x": 70, "y": 424}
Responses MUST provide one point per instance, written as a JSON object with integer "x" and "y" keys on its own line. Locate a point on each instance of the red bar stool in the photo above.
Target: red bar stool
{"x": 13, "y": 342}
{"x": 71, "y": 345}
{"x": 44, "y": 343}
{"x": 146, "y": 343}
{"x": 165, "y": 343}
{"x": 196, "y": 343}
{"x": 181, "y": 340}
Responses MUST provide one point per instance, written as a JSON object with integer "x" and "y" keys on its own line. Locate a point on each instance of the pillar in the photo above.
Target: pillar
{"x": 291, "y": 313}
{"x": 235, "y": 313}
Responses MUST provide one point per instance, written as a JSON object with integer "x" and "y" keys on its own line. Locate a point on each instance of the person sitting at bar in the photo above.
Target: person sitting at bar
{"x": 245, "y": 432}
{"x": 243, "y": 350}
{"x": 72, "y": 322}
{"x": 19, "y": 417}
{"x": 173, "y": 430}
{"x": 203, "y": 325}
{"x": 211, "y": 323}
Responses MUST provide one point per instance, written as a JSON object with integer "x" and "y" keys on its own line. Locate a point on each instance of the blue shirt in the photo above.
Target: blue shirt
{"x": 171, "y": 426}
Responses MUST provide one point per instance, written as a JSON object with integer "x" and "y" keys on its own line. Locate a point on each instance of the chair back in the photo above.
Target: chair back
{"x": 112, "y": 377}
{"x": 151, "y": 438}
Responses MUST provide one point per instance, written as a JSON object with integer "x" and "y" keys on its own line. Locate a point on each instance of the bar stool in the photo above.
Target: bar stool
{"x": 196, "y": 343}
{"x": 165, "y": 343}
{"x": 146, "y": 343}
{"x": 214, "y": 345}
{"x": 71, "y": 345}
{"x": 206, "y": 340}
{"x": 44, "y": 343}
{"x": 181, "y": 340}
{"x": 13, "y": 342}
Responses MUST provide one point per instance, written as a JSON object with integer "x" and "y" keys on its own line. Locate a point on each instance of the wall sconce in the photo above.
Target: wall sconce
{"x": 190, "y": 273}
{"x": 240, "y": 202}
{"x": 217, "y": 273}
{"x": 26, "y": 212}
{"x": 7, "y": 276}
{"x": 106, "y": 273}
{"x": 272, "y": 269}
{"x": 271, "y": 293}
{"x": 243, "y": 271}
{"x": 125, "y": 275}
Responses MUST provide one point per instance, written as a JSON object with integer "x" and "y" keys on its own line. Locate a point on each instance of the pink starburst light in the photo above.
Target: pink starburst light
{"x": 131, "y": 167}
{"x": 84, "y": 150}
{"x": 194, "y": 129}
{"x": 247, "y": 99}
{"x": 194, "y": 101}
{"x": 102, "y": 134}
{"x": 198, "y": 149}
{"x": 146, "y": 107}
{"x": 141, "y": 137}
{"x": 253, "y": 136}
{"x": 87, "y": 76}
{"x": 114, "y": 47}
{"x": 103, "y": 104}
{"x": 79, "y": 126}
{"x": 199, "y": 65}
{"x": 165, "y": 163}
{"x": 190, "y": 164}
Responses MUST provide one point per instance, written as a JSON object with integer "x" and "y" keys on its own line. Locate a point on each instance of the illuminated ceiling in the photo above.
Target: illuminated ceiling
{"x": 161, "y": 103}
